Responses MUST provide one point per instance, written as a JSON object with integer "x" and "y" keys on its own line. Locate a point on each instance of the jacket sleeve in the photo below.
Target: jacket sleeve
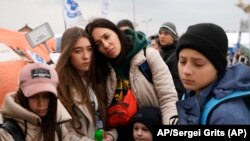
{"x": 5, "y": 136}
{"x": 113, "y": 133}
{"x": 71, "y": 135}
{"x": 164, "y": 86}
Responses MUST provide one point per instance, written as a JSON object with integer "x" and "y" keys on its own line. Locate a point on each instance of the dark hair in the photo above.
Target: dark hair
{"x": 69, "y": 76}
{"x": 99, "y": 69}
{"x": 126, "y": 22}
{"x": 49, "y": 123}
{"x": 156, "y": 38}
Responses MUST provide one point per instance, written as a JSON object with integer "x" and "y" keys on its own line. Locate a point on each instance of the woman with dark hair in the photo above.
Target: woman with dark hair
{"x": 86, "y": 105}
{"x": 116, "y": 58}
{"x": 125, "y": 24}
{"x": 35, "y": 107}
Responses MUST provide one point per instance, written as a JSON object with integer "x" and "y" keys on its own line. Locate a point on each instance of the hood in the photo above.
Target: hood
{"x": 236, "y": 78}
{"x": 139, "y": 41}
{"x": 14, "y": 110}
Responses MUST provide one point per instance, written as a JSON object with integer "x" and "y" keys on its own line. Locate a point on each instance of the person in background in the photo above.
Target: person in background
{"x": 117, "y": 56}
{"x": 155, "y": 43}
{"x": 86, "y": 105}
{"x": 35, "y": 106}
{"x": 202, "y": 69}
{"x": 168, "y": 37}
{"x": 125, "y": 24}
{"x": 143, "y": 122}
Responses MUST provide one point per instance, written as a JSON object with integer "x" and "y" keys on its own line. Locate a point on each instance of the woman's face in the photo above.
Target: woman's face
{"x": 141, "y": 132}
{"x": 107, "y": 41}
{"x": 39, "y": 103}
{"x": 195, "y": 70}
{"x": 80, "y": 56}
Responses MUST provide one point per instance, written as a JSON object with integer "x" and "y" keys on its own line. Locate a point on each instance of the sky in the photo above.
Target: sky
{"x": 15, "y": 14}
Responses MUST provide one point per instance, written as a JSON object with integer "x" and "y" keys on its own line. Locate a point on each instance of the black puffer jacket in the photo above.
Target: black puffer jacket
{"x": 169, "y": 56}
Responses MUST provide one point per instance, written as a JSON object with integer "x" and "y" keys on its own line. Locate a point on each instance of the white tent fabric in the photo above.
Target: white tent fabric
{"x": 7, "y": 54}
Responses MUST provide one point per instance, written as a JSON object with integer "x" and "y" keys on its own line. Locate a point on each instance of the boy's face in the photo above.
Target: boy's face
{"x": 141, "y": 132}
{"x": 195, "y": 70}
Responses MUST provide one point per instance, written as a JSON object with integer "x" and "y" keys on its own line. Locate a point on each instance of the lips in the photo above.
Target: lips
{"x": 187, "y": 81}
{"x": 86, "y": 63}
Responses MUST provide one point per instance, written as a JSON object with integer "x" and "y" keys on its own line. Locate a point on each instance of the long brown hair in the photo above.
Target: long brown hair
{"x": 49, "y": 122}
{"x": 70, "y": 79}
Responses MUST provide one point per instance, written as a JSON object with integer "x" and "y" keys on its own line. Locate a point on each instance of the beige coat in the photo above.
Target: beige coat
{"x": 11, "y": 109}
{"x": 89, "y": 127}
{"x": 160, "y": 94}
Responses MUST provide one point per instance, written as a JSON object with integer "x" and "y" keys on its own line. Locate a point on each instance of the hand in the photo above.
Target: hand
{"x": 108, "y": 138}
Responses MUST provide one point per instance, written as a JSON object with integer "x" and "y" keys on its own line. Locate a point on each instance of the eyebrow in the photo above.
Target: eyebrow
{"x": 193, "y": 58}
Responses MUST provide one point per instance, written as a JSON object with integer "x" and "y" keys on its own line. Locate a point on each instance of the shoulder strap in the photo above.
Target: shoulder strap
{"x": 213, "y": 103}
{"x": 145, "y": 69}
{"x": 12, "y": 127}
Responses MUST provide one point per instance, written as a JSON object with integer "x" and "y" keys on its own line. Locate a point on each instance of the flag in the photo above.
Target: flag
{"x": 73, "y": 15}
{"x": 105, "y": 7}
{"x": 35, "y": 57}
{"x": 239, "y": 40}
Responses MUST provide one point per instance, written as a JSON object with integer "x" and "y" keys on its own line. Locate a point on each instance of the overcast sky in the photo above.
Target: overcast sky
{"x": 14, "y": 14}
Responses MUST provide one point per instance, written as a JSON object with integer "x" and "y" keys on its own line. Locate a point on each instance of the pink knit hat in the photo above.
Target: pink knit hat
{"x": 38, "y": 77}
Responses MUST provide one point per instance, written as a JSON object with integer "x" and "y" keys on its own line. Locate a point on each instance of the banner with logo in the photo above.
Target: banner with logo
{"x": 73, "y": 15}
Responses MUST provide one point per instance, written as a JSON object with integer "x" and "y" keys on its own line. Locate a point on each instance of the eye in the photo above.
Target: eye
{"x": 77, "y": 51}
{"x": 89, "y": 49}
{"x": 199, "y": 65}
{"x": 182, "y": 61}
{"x": 47, "y": 95}
{"x": 106, "y": 37}
{"x": 98, "y": 44}
{"x": 145, "y": 129}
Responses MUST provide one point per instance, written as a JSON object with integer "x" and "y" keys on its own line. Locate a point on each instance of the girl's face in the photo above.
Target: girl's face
{"x": 39, "y": 103}
{"x": 195, "y": 70}
{"x": 107, "y": 41}
{"x": 141, "y": 132}
{"x": 80, "y": 56}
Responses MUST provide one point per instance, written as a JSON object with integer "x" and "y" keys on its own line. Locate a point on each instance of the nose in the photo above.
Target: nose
{"x": 139, "y": 132}
{"x": 187, "y": 69}
{"x": 86, "y": 54}
{"x": 41, "y": 101}
{"x": 105, "y": 44}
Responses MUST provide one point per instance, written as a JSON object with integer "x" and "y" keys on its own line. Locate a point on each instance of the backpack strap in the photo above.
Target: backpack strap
{"x": 12, "y": 127}
{"x": 145, "y": 69}
{"x": 213, "y": 103}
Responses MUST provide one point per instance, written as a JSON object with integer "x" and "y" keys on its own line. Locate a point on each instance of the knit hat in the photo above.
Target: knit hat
{"x": 149, "y": 116}
{"x": 170, "y": 28}
{"x": 38, "y": 77}
{"x": 208, "y": 39}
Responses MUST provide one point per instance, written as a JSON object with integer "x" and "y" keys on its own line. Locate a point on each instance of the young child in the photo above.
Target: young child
{"x": 35, "y": 106}
{"x": 143, "y": 122}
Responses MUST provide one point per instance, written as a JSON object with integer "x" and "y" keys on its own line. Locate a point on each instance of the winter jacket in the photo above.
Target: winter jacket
{"x": 11, "y": 109}
{"x": 169, "y": 56}
{"x": 236, "y": 111}
{"x": 88, "y": 125}
{"x": 160, "y": 94}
